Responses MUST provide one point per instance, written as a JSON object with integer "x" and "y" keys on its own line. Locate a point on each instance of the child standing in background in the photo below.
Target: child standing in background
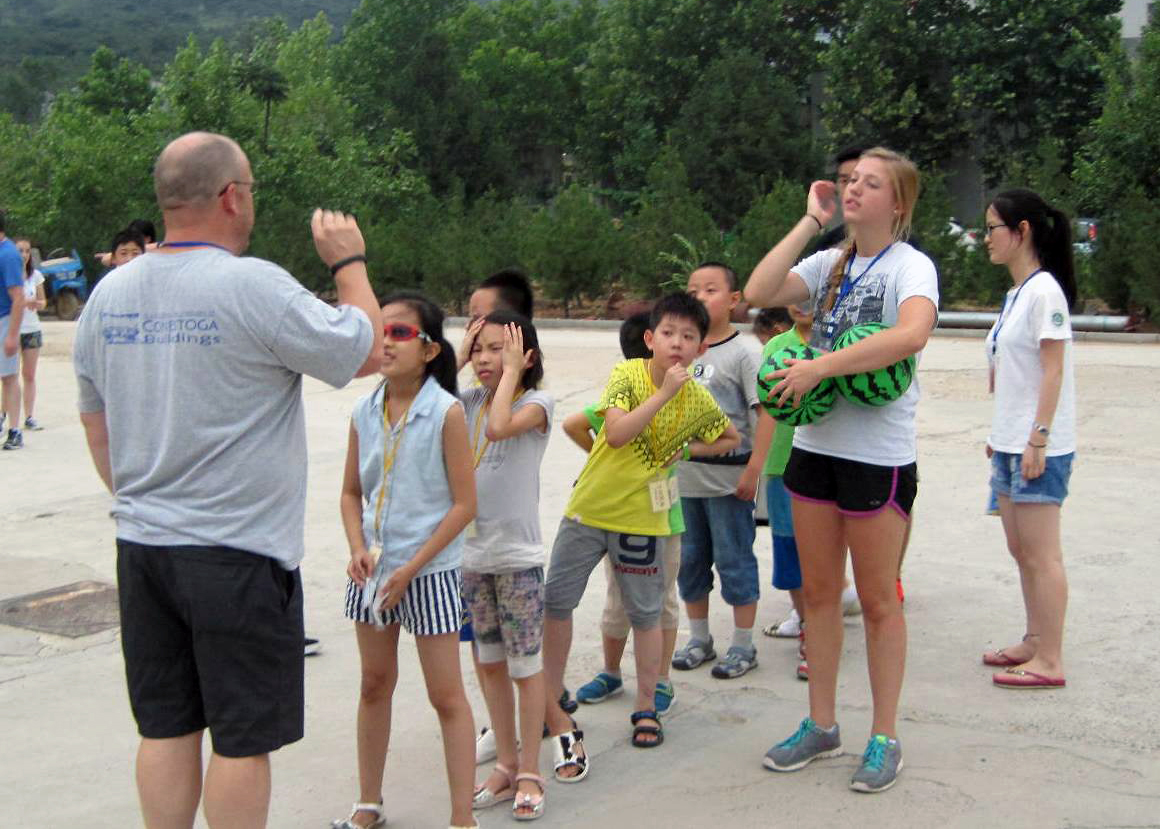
{"x": 582, "y": 428}
{"x": 717, "y": 494}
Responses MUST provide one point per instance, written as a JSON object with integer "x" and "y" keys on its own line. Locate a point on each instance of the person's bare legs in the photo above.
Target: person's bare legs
{"x": 668, "y": 648}
{"x": 822, "y": 550}
{"x": 798, "y": 602}
{"x": 237, "y": 792}
{"x": 1044, "y": 583}
{"x": 169, "y": 781}
{"x": 532, "y": 700}
{"x": 10, "y": 399}
{"x": 28, "y": 360}
{"x": 1025, "y": 649}
{"x": 613, "y": 648}
{"x": 379, "y": 657}
{"x": 439, "y": 658}
{"x": 875, "y": 545}
{"x": 646, "y": 647}
{"x": 745, "y": 615}
{"x": 557, "y": 644}
{"x": 501, "y": 707}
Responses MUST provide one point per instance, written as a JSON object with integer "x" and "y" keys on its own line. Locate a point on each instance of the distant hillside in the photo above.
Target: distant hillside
{"x": 48, "y": 43}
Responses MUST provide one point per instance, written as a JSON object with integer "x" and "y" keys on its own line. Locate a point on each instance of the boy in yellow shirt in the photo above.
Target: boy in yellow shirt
{"x": 653, "y": 416}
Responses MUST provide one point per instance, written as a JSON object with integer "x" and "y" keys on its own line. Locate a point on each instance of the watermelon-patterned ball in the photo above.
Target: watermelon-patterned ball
{"x": 816, "y": 403}
{"x": 880, "y": 386}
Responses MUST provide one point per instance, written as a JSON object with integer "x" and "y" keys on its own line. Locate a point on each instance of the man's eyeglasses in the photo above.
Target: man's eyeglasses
{"x": 253, "y": 185}
{"x": 401, "y": 332}
{"x": 988, "y": 228}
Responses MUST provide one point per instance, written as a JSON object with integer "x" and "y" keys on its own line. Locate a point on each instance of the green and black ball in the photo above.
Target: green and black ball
{"x": 816, "y": 403}
{"x": 880, "y": 386}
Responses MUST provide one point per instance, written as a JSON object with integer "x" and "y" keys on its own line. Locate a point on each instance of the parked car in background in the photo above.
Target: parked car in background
{"x": 964, "y": 236}
{"x": 1085, "y": 232}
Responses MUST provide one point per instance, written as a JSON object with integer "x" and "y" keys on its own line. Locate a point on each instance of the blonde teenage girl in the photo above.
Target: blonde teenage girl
{"x": 408, "y": 492}
{"x": 852, "y": 475}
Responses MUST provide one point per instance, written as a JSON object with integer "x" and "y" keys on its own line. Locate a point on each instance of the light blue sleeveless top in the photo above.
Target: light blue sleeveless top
{"x": 418, "y": 493}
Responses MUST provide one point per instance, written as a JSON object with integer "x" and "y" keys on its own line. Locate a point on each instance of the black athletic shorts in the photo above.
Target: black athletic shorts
{"x": 213, "y": 638}
{"x": 858, "y": 489}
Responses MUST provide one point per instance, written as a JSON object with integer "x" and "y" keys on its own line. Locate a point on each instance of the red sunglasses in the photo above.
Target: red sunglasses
{"x": 401, "y": 332}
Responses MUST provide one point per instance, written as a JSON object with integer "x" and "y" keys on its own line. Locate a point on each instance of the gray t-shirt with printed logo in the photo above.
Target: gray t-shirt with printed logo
{"x": 728, "y": 369}
{"x": 196, "y": 359}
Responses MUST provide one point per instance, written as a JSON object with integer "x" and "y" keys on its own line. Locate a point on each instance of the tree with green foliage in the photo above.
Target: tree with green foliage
{"x": 572, "y": 246}
{"x": 742, "y": 126}
{"x": 115, "y": 85}
{"x": 769, "y": 218}
{"x": 1118, "y": 179}
{"x": 1036, "y": 73}
{"x": 893, "y": 77}
{"x": 666, "y": 208}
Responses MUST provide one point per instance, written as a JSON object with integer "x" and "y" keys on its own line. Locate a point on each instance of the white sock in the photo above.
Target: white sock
{"x": 743, "y": 638}
{"x": 700, "y": 628}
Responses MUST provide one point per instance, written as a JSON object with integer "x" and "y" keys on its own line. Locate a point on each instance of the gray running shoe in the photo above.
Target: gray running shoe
{"x": 807, "y": 744}
{"x": 881, "y": 763}
{"x": 737, "y": 661}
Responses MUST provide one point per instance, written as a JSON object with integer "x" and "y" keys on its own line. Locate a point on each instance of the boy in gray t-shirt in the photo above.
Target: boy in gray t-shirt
{"x": 717, "y": 493}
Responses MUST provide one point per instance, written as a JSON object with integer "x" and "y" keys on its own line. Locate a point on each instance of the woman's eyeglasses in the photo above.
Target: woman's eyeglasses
{"x": 988, "y": 228}
{"x": 401, "y": 332}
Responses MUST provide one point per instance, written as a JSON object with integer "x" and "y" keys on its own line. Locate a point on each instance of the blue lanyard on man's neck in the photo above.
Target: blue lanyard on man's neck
{"x": 1005, "y": 311}
{"x": 848, "y": 284}
{"x": 192, "y": 244}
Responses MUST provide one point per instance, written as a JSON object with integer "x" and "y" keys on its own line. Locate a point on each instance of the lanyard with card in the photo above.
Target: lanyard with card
{"x": 479, "y": 444}
{"x": 1004, "y": 314}
{"x": 847, "y": 286}
{"x": 392, "y": 438}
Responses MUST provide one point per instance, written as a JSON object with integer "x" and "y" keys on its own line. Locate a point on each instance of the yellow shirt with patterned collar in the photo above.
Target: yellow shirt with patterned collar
{"x": 612, "y": 492}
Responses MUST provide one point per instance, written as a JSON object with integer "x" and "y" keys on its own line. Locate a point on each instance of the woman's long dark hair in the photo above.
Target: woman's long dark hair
{"x": 28, "y": 269}
{"x": 535, "y": 373}
{"x": 1050, "y": 233}
{"x": 443, "y": 367}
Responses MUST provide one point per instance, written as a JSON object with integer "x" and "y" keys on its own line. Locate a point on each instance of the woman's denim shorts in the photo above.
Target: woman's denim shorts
{"x": 1007, "y": 480}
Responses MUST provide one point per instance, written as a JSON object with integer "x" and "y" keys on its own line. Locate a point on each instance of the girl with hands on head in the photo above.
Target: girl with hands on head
{"x": 853, "y": 475}
{"x": 1032, "y": 440}
{"x": 503, "y": 579}
{"x": 408, "y": 494}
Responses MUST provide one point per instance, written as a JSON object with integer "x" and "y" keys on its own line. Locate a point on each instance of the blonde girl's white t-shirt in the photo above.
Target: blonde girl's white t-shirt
{"x": 883, "y": 435}
{"x": 1038, "y": 313}
{"x": 30, "y": 322}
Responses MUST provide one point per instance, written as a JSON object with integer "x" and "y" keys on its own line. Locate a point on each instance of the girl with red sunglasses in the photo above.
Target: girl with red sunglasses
{"x": 408, "y": 493}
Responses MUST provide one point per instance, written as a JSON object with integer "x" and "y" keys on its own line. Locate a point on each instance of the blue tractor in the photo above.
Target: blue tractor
{"x": 65, "y": 285}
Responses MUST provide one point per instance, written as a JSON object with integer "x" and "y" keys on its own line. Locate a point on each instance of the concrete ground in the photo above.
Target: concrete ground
{"x": 975, "y": 755}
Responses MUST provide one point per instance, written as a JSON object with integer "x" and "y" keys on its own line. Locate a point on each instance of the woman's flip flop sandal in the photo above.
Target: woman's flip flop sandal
{"x": 1017, "y": 678}
{"x": 641, "y": 732}
{"x": 564, "y": 748}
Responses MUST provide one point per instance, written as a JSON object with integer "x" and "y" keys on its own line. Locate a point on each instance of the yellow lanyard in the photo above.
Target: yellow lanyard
{"x": 477, "y": 450}
{"x": 388, "y": 456}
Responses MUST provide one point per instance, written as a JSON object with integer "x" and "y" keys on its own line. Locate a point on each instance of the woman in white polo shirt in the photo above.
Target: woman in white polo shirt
{"x": 1032, "y": 440}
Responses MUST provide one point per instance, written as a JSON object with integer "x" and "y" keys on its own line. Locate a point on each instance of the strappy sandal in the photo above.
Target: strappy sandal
{"x": 527, "y": 801}
{"x": 485, "y": 798}
{"x": 640, "y": 732}
{"x": 348, "y": 823}
{"x": 564, "y": 748}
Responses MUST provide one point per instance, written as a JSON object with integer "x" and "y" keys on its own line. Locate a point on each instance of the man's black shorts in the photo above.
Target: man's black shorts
{"x": 212, "y": 637}
{"x": 858, "y": 489}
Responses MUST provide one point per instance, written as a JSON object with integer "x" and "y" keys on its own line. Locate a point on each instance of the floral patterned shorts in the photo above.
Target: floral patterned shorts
{"x": 507, "y": 613}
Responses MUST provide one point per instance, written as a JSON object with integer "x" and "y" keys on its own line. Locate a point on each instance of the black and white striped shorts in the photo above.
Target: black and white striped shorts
{"x": 432, "y": 605}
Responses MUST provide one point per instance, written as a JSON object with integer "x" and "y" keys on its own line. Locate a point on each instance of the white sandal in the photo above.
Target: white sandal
{"x": 348, "y": 823}
{"x": 485, "y": 798}
{"x": 525, "y": 801}
{"x": 563, "y": 747}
